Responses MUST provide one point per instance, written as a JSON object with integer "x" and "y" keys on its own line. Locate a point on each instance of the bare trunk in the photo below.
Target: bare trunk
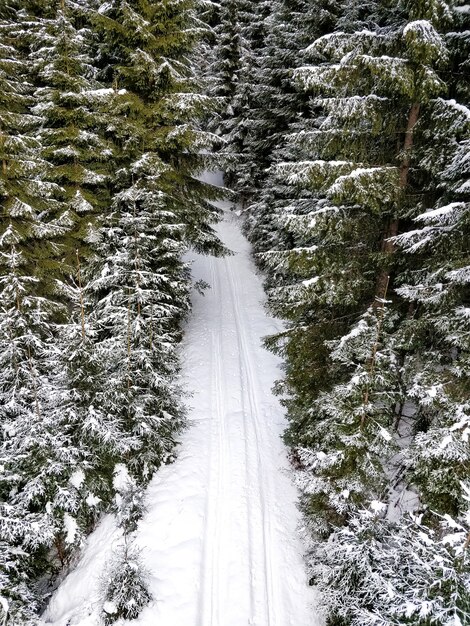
{"x": 388, "y": 246}
{"x": 59, "y": 545}
{"x": 408, "y": 144}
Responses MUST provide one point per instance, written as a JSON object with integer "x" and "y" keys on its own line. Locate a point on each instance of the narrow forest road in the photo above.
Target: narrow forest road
{"x": 219, "y": 538}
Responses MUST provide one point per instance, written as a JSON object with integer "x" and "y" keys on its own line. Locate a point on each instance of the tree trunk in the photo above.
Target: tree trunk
{"x": 388, "y": 246}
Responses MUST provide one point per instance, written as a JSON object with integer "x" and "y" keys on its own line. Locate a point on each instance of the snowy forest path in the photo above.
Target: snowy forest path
{"x": 220, "y": 538}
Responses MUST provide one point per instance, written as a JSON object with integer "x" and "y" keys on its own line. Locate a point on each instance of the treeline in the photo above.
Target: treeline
{"x": 100, "y": 143}
{"x": 347, "y": 125}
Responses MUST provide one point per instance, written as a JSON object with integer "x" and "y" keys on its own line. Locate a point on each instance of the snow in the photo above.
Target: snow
{"x": 440, "y": 212}
{"x": 220, "y": 536}
{"x": 421, "y": 27}
{"x": 70, "y": 525}
{"x": 77, "y": 599}
{"x": 385, "y": 434}
{"x": 461, "y": 108}
{"x": 92, "y": 500}
{"x": 121, "y": 477}
{"x": 110, "y": 608}
{"x": 311, "y": 281}
{"x": 445, "y": 442}
{"x": 4, "y": 604}
{"x": 77, "y": 478}
{"x": 378, "y": 507}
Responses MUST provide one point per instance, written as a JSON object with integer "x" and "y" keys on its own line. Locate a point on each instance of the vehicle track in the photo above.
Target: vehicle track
{"x": 213, "y": 544}
{"x": 249, "y": 381}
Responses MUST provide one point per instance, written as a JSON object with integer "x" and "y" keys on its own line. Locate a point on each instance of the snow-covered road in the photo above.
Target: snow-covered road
{"x": 219, "y": 538}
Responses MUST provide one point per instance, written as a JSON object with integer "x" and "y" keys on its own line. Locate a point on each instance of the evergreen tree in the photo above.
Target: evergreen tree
{"x": 32, "y": 452}
{"x": 225, "y": 66}
{"x": 79, "y": 391}
{"x": 73, "y": 111}
{"x": 437, "y": 333}
{"x": 145, "y": 50}
{"x": 368, "y": 336}
{"x": 138, "y": 278}
{"x": 126, "y": 591}
{"x": 376, "y": 572}
{"x": 346, "y": 266}
{"x": 139, "y": 295}
{"x": 244, "y": 141}
{"x": 284, "y": 110}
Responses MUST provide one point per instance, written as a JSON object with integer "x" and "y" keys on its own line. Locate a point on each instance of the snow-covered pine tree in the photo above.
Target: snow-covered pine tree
{"x": 284, "y": 109}
{"x": 436, "y": 334}
{"x": 344, "y": 453}
{"x": 53, "y": 431}
{"x": 139, "y": 293}
{"x": 19, "y": 600}
{"x": 32, "y": 452}
{"x": 225, "y": 66}
{"x": 146, "y": 52}
{"x": 99, "y": 438}
{"x": 126, "y": 587}
{"x": 23, "y": 193}
{"x": 437, "y": 289}
{"x": 73, "y": 110}
{"x": 244, "y": 141}
{"x": 60, "y": 420}
{"x": 372, "y": 162}
{"x": 138, "y": 279}
{"x": 354, "y": 170}
{"x": 378, "y": 572}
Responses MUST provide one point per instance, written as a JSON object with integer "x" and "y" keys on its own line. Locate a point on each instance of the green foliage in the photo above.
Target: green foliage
{"x": 361, "y": 223}
{"x": 379, "y": 573}
{"x": 126, "y": 591}
{"x": 72, "y": 134}
{"x": 100, "y": 148}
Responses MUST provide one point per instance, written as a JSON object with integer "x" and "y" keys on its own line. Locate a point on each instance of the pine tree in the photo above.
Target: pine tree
{"x": 367, "y": 330}
{"x": 244, "y": 141}
{"x": 139, "y": 295}
{"x": 138, "y": 278}
{"x": 32, "y": 453}
{"x": 92, "y": 280}
{"x": 126, "y": 592}
{"x": 284, "y": 110}
{"x": 437, "y": 370}
{"x": 355, "y": 196}
{"x": 73, "y": 111}
{"x": 144, "y": 51}
{"x": 225, "y": 66}
{"x": 376, "y": 572}
{"x": 346, "y": 449}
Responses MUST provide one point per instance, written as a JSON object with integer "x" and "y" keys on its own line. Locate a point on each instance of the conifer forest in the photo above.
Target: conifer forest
{"x": 269, "y": 199}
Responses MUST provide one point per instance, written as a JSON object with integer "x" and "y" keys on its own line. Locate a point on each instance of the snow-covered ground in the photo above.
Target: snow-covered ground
{"x": 220, "y": 537}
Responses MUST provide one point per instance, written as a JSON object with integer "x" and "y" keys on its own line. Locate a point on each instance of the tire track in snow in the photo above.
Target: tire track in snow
{"x": 248, "y": 466}
{"x": 210, "y": 600}
{"x": 248, "y": 381}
